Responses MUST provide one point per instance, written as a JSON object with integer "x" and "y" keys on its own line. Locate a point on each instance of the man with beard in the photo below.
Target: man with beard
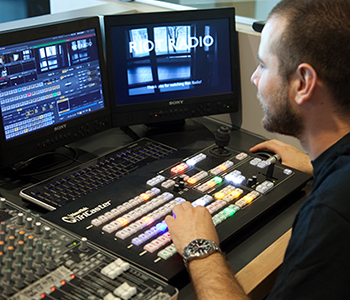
{"x": 302, "y": 82}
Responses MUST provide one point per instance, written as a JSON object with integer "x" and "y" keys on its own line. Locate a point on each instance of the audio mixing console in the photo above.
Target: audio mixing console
{"x": 39, "y": 260}
{"x": 127, "y": 216}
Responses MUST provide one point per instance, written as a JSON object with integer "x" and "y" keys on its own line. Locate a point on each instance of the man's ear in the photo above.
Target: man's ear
{"x": 305, "y": 83}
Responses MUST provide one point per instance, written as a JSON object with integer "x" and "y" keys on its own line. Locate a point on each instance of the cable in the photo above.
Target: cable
{"x": 46, "y": 168}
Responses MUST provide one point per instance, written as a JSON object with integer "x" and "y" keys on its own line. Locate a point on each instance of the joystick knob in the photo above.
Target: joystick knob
{"x": 222, "y": 139}
{"x": 222, "y": 136}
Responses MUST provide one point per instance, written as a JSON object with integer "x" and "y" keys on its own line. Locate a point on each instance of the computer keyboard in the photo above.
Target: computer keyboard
{"x": 59, "y": 190}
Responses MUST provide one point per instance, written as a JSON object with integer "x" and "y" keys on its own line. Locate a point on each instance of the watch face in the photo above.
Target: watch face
{"x": 199, "y": 247}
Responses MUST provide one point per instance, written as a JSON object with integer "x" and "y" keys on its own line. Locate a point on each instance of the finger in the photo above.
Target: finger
{"x": 271, "y": 145}
{"x": 169, "y": 220}
{"x": 187, "y": 205}
{"x": 180, "y": 208}
{"x": 258, "y": 147}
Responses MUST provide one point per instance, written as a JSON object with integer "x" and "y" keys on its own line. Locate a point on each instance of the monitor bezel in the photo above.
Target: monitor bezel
{"x": 164, "y": 111}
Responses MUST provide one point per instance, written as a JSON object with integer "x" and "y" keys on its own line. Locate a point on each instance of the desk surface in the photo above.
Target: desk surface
{"x": 250, "y": 257}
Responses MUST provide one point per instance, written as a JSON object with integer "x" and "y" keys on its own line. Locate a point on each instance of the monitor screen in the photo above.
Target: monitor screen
{"x": 51, "y": 88}
{"x": 172, "y": 65}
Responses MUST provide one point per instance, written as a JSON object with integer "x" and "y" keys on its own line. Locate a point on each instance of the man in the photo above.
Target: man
{"x": 302, "y": 82}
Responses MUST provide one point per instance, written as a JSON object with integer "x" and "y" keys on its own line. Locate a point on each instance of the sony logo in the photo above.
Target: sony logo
{"x": 177, "y": 102}
{"x": 60, "y": 127}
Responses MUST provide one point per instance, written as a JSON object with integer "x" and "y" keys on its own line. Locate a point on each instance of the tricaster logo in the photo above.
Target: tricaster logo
{"x": 84, "y": 213}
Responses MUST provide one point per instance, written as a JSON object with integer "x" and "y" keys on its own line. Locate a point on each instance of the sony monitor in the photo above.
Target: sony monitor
{"x": 52, "y": 88}
{"x": 169, "y": 66}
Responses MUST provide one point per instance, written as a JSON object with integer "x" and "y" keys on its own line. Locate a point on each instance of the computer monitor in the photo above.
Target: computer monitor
{"x": 169, "y": 66}
{"x": 52, "y": 88}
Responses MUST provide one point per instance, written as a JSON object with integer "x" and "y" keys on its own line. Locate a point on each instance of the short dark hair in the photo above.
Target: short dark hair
{"x": 317, "y": 33}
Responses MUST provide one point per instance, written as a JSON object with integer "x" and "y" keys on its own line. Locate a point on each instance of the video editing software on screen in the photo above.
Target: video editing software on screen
{"x": 49, "y": 81}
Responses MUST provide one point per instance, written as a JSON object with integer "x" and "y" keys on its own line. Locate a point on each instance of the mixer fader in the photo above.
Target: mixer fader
{"x": 127, "y": 217}
{"x": 39, "y": 260}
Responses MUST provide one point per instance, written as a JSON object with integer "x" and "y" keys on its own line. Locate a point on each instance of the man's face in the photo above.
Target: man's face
{"x": 274, "y": 93}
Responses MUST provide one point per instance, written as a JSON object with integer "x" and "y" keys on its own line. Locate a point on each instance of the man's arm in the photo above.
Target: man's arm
{"x": 211, "y": 276}
{"x": 290, "y": 155}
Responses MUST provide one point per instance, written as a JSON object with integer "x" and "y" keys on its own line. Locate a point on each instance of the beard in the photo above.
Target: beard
{"x": 282, "y": 118}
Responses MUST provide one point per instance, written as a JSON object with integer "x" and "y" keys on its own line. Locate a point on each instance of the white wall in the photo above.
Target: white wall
{"x": 58, "y": 6}
{"x": 263, "y": 8}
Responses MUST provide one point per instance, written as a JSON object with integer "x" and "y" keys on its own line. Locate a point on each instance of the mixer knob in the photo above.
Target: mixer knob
{"x": 2, "y": 203}
{"x": 48, "y": 252}
{"x": 29, "y": 276}
{"x": 7, "y": 286}
{"x": 39, "y": 257}
{"x": 2, "y": 236}
{"x": 39, "y": 246}
{"x": 40, "y": 270}
{"x": 8, "y": 275}
{"x": 8, "y": 263}
{"x": 251, "y": 181}
{"x": 47, "y": 232}
{"x": 29, "y": 223}
{"x": 21, "y": 235}
{"x": 18, "y": 269}
{"x": 176, "y": 187}
{"x": 10, "y": 251}
{"x": 2, "y": 247}
{"x": 20, "y": 246}
{"x": 19, "y": 257}
{"x": 28, "y": 213}
{"x": 50, "y": 264}
{"x": 3, "y": 226}
{"x": 182, "y": 184}
{"x": 19, "y": 283}
{"x": 12, "y": 230}
{"x": 37, "y": 218}
{"x": 29, "y": 263}
{"x": 30, "y": 251}
{"x": 83, "y": 244}
{"x": 30, "y": 241}
{"x": 11, "y": 240}
{"x": 20, "y": 218}
{"x": 37, "y": 228}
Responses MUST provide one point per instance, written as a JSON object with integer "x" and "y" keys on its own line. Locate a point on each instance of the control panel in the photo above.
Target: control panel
{"x": 39, "y": 260}
{"x": 127, "y": 216}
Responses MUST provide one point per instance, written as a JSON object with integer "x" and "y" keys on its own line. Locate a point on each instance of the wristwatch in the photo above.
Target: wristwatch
{"x": 199, "y": 248}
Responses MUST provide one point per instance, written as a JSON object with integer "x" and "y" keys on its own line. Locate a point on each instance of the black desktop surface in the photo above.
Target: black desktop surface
{"x": 201, "y": 130}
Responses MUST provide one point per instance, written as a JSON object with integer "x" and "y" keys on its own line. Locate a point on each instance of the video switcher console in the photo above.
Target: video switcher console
{"x": 39, "y": 260}
{"x": 127, "y": 216}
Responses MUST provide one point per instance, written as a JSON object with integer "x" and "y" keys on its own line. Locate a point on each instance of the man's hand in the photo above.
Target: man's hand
{"x": 290, "y": 155}
{"x": 190, "y": 223}
{"x": 212, "y": 277}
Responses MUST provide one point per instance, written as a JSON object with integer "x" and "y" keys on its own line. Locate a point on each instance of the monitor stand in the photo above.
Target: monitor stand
{"x": 173, "y": 133}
